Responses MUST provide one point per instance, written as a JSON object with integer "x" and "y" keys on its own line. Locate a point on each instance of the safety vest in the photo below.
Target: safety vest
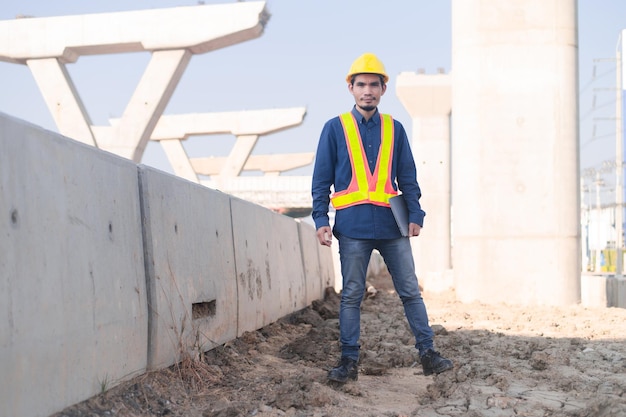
{"x": 365, "y": 187}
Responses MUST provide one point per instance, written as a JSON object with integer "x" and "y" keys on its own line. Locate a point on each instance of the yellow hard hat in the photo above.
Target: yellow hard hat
{"x": 367, "y": 63}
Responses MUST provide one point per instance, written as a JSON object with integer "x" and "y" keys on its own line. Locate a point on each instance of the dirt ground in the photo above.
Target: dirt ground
{"x": 509, "y": 361}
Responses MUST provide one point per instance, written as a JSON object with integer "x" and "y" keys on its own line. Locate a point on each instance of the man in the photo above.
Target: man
{"x": 366, "y": 157}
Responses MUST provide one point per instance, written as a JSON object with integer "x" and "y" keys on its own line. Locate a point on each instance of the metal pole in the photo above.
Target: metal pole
{"x": 583, "y": 259}
{"x": 619, "y": 165}
{"x": 598, "y": 265}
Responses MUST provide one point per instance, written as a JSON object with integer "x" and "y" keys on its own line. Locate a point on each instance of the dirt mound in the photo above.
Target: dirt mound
{"x": 509, "y": 361}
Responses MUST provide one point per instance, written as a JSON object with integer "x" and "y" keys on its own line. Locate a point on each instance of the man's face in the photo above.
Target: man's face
{"x": 367, "y": 90}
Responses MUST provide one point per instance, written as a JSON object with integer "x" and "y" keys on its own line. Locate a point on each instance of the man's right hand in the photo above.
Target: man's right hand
{"x": 325, "y": 235}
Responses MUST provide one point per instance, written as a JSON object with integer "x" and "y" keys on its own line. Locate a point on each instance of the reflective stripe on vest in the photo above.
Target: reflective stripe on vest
{"x": 366, "y": 187}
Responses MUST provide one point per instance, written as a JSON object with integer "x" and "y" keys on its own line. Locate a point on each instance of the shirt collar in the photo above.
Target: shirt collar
{"x": 359, "y": 117}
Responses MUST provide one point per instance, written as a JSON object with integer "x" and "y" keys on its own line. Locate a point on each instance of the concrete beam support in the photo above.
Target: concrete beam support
{"x": 62, "y": 99}
{"x": 244, "y": 145}
{"x": 515, "y": 151}
{"x": 249, "y": 122}
{"x": 130, "y": 136}
{"x": 269, "y": 164}
{"x": 427, "y": 98}
{"x": 199, "y": 29}
{"x": 246, "y": 125}
{"x": 172, "y": 35}
{"x": 180, "y": 161}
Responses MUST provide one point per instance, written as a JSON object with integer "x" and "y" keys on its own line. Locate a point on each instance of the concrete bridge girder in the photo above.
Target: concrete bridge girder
{"x": 199, "y": 29}
{"x": 269, "y": 164}
{"x": 238, "y": 123}
{"x": 172, "y": 35}
{"x": 247, "y": 126}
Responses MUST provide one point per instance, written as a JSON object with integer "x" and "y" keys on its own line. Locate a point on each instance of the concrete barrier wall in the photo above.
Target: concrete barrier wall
{"x": 190, "y": 267}
{"x": 108, "y": 269}
{"x": 326, "y": 263}
{"x": 268, "y": 260}
{"x": 593, "y": 290}
{"x": 616, "y": 289}
{"x": 73, "y": 309}
{"x": 317, "y": 262}
{"x": 599, "y": 290}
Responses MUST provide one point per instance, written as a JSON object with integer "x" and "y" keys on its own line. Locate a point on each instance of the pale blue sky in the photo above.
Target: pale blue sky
{"x": 301, "y": 60}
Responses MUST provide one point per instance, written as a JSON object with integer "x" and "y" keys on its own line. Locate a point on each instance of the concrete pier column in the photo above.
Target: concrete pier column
{"x": 427, "y": 99}
{"x": 515, "y": 180}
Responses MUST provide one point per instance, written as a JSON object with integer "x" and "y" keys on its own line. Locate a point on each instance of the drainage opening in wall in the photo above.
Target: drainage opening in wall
{"x": 203, "y": 309}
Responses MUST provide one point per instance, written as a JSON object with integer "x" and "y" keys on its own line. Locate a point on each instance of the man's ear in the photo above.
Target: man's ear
{"x": 384, "y": 89}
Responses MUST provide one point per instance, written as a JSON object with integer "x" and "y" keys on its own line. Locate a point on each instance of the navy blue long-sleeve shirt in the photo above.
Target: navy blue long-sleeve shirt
{"x": 332, "y": 168}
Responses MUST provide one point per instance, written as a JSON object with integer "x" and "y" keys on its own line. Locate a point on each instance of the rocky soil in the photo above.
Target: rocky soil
{"x": 509, "y": 361}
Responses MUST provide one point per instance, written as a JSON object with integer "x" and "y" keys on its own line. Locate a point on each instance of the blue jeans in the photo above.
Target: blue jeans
{"x": 355, "y": 255}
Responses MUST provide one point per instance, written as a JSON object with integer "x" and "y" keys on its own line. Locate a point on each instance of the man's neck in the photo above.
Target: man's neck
{"x": 367, "y": 114}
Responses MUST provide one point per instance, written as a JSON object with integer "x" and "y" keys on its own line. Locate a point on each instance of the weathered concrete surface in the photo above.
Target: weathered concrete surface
{"x": 72, "y": 284}
{"x": 107, "y": 269}
{"x": 317, "y": 264}
{"x": 515, "y": 181}
{"x": 427, "y": 98}
{"x": 268, "y": 262}
{"x": 603, "y": 290}
{"x": 190, "y": 269}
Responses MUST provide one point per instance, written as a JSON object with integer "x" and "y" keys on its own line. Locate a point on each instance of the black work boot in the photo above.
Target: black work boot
{"x": 433, "y": 362}
{"x": 347, "y": 369}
